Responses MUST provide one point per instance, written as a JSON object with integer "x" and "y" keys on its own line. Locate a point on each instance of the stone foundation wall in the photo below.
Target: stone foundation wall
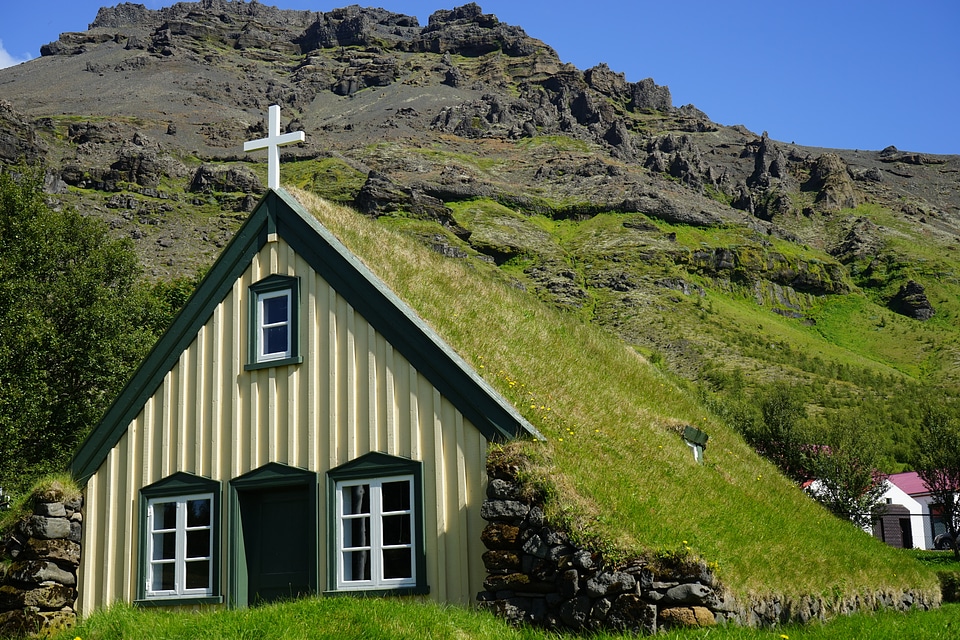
{"x": 537, "y": 576}
{"x": 38, "y": 578}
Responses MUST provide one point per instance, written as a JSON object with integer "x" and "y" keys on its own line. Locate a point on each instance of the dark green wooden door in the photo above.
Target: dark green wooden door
{"x": 277, "y": 535}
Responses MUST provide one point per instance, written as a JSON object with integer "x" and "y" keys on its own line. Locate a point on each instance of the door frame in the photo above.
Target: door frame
{"x": 272, "y": 475}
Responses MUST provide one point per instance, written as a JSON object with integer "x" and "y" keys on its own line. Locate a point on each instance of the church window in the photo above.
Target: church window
{"x": 179, "y": 524}
{"x": 274, "y": 323}
{"x": 377, "y": 522}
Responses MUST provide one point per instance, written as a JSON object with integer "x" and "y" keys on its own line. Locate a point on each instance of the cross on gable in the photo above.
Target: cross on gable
{"x": 272, "y": 144}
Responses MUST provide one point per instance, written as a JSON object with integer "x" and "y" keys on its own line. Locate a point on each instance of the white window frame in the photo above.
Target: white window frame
{"x": 180, "y": 560}
{"x": 262, "y": 326}
{"x": 376, "y": 546}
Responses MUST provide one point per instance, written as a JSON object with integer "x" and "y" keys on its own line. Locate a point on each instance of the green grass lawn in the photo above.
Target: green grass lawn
{"x": 388, "y": 619}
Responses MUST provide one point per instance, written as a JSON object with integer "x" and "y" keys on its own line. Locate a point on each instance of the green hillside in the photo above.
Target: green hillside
{"x": 614, "y": 467}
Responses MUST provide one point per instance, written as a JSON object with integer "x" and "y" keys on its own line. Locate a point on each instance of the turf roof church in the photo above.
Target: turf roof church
{"x": 297, "y": 430}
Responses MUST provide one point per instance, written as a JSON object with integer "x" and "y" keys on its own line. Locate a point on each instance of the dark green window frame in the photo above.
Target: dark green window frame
{"x": 178, "y": 485}
{"x": 377, "y": 466}
{"x": 269, "y": 285}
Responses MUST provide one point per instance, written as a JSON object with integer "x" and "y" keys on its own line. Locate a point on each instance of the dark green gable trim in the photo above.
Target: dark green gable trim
{"x": 364, "y": 291}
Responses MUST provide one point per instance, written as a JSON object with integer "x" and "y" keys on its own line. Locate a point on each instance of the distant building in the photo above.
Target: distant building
{"x": 912, "y": 518}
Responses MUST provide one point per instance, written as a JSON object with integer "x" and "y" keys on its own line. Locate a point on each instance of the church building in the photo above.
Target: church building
{"x": 297, "y": 430}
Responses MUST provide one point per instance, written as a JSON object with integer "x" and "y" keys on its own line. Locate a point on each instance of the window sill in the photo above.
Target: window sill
{"x": 178, "y": 601}
{"x": 361, "y": 593}
{"x": 252, "y": 366}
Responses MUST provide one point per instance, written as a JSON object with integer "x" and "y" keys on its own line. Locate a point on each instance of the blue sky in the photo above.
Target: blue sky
{"x": 852, "y": 74}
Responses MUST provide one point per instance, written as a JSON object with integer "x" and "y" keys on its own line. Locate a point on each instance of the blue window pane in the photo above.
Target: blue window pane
{"x": 164, "y": 515}
{"x": 275, "y": 339}
{"x": 276, "y": 309}
{"x": 198, "y": 513}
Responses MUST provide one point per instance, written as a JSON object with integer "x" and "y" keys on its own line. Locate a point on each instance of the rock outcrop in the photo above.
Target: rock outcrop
{"x": 911, "y": 301}
{"x": 18, "y": 139}
{"x": 831, "y": 180}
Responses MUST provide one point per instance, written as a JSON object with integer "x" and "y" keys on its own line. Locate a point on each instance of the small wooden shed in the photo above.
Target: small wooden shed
{"x": 297, "y": 430}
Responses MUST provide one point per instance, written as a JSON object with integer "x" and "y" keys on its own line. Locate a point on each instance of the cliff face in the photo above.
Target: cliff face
{"x": 597, "y": 192}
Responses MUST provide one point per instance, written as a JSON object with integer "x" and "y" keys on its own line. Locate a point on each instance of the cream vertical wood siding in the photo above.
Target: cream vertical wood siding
{"x": 352, "y": 394}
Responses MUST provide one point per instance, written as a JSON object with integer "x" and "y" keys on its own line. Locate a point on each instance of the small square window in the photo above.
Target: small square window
{"x": 274, "y": 322}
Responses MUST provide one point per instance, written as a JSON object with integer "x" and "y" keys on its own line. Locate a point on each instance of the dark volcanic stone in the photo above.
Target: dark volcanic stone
{"x": 911, "y": 301}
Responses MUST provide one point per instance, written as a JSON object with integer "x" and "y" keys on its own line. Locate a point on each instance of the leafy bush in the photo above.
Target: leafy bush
{"x": 73, "y": 313}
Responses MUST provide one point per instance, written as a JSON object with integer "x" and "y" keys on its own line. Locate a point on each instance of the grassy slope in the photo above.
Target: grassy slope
{"x": 854, "y": 354}
{"x": 622, "y": 476}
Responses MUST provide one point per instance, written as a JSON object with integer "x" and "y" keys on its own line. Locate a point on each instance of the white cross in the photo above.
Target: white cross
{"x": 272, "y": 144}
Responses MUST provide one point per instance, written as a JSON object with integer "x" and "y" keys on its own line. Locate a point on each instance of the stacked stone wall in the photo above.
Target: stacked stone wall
{"x": 38, "y": 576}
{"x": 536, "y": 575}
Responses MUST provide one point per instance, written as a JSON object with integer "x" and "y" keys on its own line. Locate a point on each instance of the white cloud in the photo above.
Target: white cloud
{"x": 7, "y": 60}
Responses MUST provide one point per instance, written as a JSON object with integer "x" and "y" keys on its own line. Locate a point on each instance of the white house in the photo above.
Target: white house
{"x": 911, "y": 520}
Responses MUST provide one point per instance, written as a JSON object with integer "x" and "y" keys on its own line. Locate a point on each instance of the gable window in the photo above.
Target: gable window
{"x": 179, "y": 544}
{"x": 377, "y": 525}
{"x": 274, "y": 338}
{"x": 274, "y": 325}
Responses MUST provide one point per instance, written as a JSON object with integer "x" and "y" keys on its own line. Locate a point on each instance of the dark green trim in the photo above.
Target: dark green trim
{"x": 179, "y": 484}
{"x": 178, "y": 602}
{"x": 695, "y": 436}
{"x": 272, "y": 475}
{"x": 379, "y": 593}
{"x": 377, "y": 466}
{"x": 481, "y": 404}
{"x": 271, "y": 284}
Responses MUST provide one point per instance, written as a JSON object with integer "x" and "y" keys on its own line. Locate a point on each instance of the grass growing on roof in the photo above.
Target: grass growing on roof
{"x": 620, "y": 474}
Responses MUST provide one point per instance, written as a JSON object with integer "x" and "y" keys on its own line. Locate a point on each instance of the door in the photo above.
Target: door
{"x": 273, "y": 535}
{"x": 277, "y": 542}
{"x": 906, "y": 534}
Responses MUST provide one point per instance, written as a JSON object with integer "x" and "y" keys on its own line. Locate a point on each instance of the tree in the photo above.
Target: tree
{"x": 938, "y": 462}
{"x": 776, "y": 429}
{"x": 845, "y": 467}
{"x": 71, "y": 326}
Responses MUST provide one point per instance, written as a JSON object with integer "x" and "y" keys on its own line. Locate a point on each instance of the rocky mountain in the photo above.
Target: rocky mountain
{"x": 710, "y": 249}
